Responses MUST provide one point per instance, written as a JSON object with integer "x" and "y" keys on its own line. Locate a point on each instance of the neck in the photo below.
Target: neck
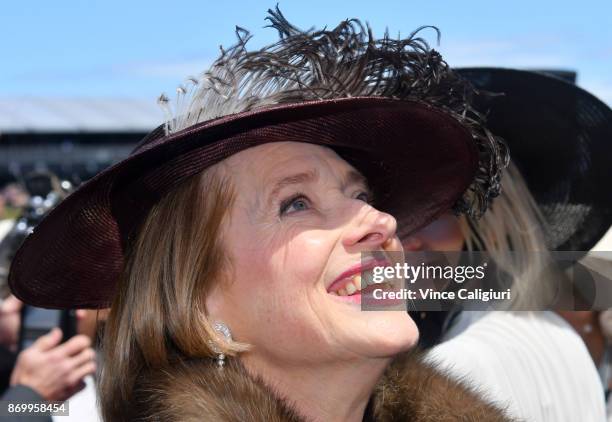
{"x": 337, "y": 391}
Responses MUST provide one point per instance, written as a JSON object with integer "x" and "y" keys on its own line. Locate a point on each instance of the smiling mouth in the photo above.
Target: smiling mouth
{"x": 357, "y": 284}
{"x": 349, "y": 287}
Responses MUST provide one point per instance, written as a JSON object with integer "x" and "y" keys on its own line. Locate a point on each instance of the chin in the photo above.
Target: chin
{"x": 393, "y": 332}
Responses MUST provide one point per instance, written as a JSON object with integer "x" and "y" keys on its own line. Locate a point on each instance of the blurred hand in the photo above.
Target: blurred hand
{"x": 55, "y": 371}
{"x": 10, "y": 319}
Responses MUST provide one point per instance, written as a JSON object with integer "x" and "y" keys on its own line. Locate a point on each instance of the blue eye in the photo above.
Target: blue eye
{"x": 296, "y": 203}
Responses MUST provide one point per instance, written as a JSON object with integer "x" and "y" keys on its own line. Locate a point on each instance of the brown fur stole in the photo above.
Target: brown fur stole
{"x": 410, "y": 390}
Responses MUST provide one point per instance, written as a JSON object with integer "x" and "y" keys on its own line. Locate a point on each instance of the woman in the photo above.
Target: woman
{"x": 236, "y": 232}
{"x": 532, "y": 362}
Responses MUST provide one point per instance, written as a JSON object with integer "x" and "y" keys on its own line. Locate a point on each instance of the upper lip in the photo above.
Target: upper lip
{"x": 359, "y": 268}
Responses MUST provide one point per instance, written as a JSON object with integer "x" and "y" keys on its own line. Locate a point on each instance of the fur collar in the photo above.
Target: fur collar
{"x": 197, "y": 390}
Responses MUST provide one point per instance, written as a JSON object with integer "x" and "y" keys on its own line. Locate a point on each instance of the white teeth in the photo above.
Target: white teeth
{"x": 354, "y": 285}
{"x": 350, "y": 288}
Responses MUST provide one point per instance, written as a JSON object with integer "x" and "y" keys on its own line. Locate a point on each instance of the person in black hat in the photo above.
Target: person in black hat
{"x": 512, "y": 356}
{"x": 552, "y": 199}
{"x": 231, "y": 242}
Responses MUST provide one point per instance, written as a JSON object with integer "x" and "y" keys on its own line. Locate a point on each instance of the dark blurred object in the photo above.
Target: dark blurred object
{"x": 431, "y": 326}
{"x": 45, "y": 191}
{"x": 72, "y": 137}
{"x": 76, "y": 157}
{"x": 7, "y": 363}
{"x": 42, "y": 184}
{"x": 559, "y": 137}
{"x": 36, "y": 322}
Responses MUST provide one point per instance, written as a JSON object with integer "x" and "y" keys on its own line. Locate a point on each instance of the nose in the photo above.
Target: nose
{"x": 370, "y": 229}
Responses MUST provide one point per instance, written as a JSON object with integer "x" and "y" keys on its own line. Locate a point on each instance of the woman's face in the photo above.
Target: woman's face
{"x": 299, "y": 221}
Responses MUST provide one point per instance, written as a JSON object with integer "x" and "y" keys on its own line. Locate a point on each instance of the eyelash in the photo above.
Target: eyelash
{"x": 285, "y": 204}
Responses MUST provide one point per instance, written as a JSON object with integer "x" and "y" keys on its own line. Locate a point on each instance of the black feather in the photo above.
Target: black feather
{"x": 345, "y": 61}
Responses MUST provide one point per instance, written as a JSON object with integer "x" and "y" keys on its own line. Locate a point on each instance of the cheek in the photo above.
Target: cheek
{"x": 280, "y": 272}
{"x": 279, "y": 288}
{"x": 295, "y": 264}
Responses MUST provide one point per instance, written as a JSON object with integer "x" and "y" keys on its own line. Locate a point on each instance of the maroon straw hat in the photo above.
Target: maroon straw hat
{"x": 418, "y": 159}
{"x": 390, "y": 107}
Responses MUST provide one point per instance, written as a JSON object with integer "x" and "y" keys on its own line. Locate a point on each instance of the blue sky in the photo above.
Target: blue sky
{"x": 138, "y": 49}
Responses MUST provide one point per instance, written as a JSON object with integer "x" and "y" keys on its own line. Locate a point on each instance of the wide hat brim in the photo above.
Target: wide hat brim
{"x": 560, "y": 138}
{"x": 419, "y": 161}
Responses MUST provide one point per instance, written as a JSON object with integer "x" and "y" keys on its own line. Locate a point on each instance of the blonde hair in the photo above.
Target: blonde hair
{"x": 159, "y": 312}
{"x": 512, "y": 234}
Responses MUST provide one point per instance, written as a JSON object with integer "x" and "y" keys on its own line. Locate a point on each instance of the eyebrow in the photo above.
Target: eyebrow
{"x": 351, "y": 177}
{"x": 294, "y": 179}
{"x": 354, "y": 177}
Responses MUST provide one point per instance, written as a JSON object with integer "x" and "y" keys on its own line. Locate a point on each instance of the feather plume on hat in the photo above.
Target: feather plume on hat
{"x": 346, "y": 61}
